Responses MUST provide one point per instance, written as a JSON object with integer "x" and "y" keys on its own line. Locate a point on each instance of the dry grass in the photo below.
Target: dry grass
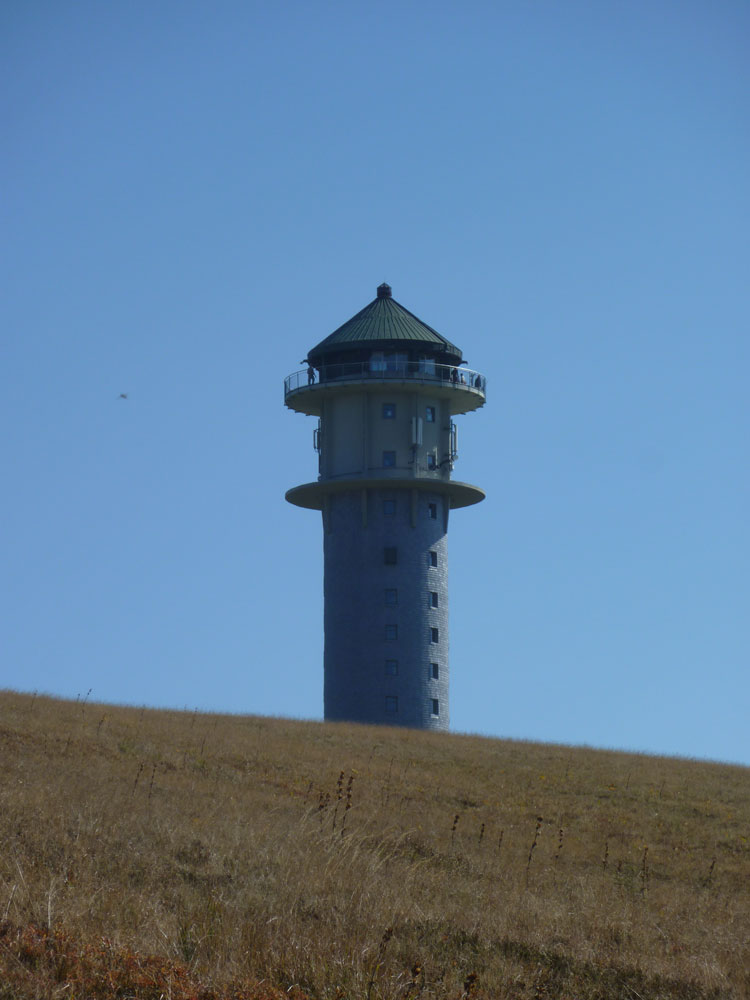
{"x": 167, "y": 854}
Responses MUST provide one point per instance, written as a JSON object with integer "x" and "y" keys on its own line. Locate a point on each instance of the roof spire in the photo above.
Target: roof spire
{"x": 384, "y": 291}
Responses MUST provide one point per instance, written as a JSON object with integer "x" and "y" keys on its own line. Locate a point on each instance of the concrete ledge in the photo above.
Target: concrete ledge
{"x": 312, "y": 495}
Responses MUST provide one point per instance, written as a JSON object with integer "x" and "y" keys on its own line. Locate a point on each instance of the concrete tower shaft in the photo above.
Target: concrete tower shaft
{"x": 385, "y": 387}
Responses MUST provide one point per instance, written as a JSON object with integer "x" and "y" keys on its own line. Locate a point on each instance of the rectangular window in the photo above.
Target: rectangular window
{"x": 391, "y": 597}
{"x": 432, "y": 508}
{"x": 396, "y": 363}
{"x": 391, "y": 667}
{"x": 429, "y": 414}
{"x": 389, "y": 508}
{"x": 433, "y": 557}
{"x": 434, "y": 635}
{"x": 389, "y": 411}
{"x": 390, "y": 555}
{"x": 434, "y": 671}
{"x": 391, "y": 632}
{"x": 391, "y": 704}
{"x": 431, "y": 462}
{"x": 435, "y": 706}
{"x": 389, "y": 459}
{"x": 433, "y": 599}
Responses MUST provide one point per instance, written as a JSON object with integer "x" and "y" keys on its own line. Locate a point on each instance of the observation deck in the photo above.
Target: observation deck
{"x": 465, "y": 390}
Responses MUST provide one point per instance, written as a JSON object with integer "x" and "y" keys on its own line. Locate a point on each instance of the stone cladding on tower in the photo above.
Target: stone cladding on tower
{"x": 386, "y": 610}
{"x": 385, "y": 387}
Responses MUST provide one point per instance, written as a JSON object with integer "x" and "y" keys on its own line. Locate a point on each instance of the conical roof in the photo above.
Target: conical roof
{"x": 387, "y": 324}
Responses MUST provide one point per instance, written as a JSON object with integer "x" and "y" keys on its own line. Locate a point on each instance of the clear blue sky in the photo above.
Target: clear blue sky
{"x": 194, "y": 194}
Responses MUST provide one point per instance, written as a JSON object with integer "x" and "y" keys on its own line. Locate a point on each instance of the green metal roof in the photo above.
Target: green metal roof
{"x": 386, "y": 321}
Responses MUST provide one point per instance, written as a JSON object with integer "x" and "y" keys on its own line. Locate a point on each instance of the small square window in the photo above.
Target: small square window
{"x": 434, "y": 635}
{"x": 433, "y": 557}
{"x": 389, "y": 411}
{"x": 434, "y": 671}
{"x": 389, "y": 507}
{"x": 429, "y": 414}
{"x": 433, "y": 599}
{"x": 389, "y": 459}
{"x": 431, "y": 462}
{"x": 391, "y": 667}
{"x": 390, "y": 555}
{"x": 391, "y": 632}
{"x": 391, "y": 704}
{"x": 391, "y": 596}
{"x": 432, "y": 508}
{"x": 435, "y": 706}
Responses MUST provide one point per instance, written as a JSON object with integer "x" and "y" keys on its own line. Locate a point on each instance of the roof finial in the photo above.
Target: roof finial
{"x": 384, "y": 291}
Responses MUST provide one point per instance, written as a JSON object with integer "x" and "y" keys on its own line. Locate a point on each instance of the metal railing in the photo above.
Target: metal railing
{"x": 417, "y": 371}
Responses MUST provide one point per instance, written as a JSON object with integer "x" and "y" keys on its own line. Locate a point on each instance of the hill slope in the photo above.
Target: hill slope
{"x": 151, "y": 853}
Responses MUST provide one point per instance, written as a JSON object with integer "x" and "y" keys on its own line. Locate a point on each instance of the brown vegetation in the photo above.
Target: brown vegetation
{"x": 173, "y": 854}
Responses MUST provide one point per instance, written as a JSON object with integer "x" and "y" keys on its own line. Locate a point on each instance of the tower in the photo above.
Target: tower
{"x": 385, "y": 387}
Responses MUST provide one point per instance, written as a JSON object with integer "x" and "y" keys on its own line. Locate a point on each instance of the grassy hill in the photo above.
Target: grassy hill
{"x": 172, "y": 854}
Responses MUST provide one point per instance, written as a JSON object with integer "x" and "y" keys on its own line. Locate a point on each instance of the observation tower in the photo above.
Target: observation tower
{"x": 385, "y": 388}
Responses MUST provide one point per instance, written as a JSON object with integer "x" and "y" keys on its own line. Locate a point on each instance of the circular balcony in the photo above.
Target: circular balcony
{"x": 465, "y": 389}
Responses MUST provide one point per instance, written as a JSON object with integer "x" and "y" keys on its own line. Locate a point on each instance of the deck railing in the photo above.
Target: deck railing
{"x": 455, "y": 376}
